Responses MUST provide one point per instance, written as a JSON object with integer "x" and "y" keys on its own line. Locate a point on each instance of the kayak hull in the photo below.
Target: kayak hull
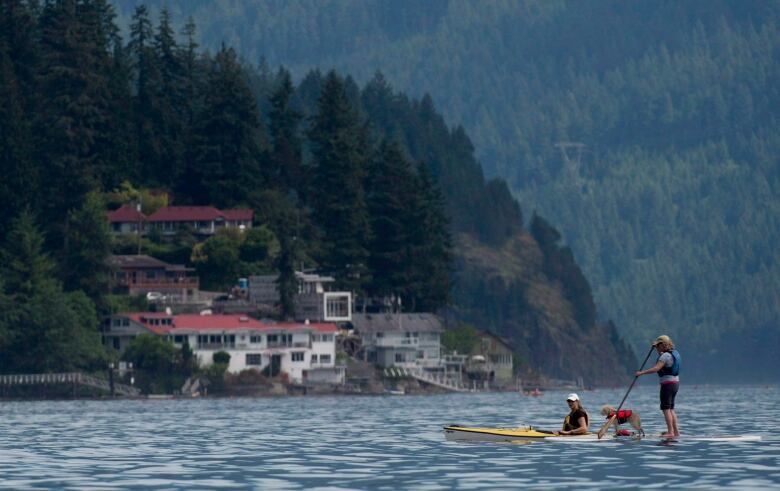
{"x": 528, "y": 434}
{"x": 467, "y": 434}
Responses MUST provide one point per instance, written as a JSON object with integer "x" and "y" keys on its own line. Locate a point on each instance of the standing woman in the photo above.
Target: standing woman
{"x": 668, "y": 368}
{"x": 576, "y": 422}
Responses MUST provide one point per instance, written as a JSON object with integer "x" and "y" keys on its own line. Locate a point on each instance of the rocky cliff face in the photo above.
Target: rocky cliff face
{"x": 506, "y": 291}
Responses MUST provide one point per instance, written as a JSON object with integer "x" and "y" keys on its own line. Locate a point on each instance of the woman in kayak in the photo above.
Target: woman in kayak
{"x": 576, "y": 422}
{"x": 668, "y": 369}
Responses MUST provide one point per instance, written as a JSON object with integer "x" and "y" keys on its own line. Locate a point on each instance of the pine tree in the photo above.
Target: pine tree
{"x": 432, "y": 260}
{"x": 25, "y": 266}
{"x": 19, "y": 174}
{"x": 70, "y": 126}
{"x": 228, "y": 138}
{"x": 171, "y": 114}
{"x": 85, "y": 267}
{"x": 391, "y": 198}
{"x": 147, "y": 88}
{"x": 340, "y": 152}
{"x": 286, "y": 162}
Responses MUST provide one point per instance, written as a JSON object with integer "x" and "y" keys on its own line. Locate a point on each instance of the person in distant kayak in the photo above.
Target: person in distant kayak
{"x": 576, "y": 422}
{"x": 668, "y": 369}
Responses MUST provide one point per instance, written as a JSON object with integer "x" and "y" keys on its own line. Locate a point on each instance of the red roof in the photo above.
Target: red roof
{"x": 125, "y": 213}
{"x": 194, "y": 322}
{"x": 197, "y": 214}
{"x": 240, "y": 214}
{"x": 185, "y": 214}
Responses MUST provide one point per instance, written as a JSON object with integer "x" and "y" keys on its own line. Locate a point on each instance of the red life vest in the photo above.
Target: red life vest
{"x": 622, "y": 415}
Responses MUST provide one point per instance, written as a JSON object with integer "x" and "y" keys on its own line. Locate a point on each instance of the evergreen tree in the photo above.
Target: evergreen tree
{"x": 26, "y": 268}
{"x": 432, "y": 261}
{"x": 147, "y": 88}
{"x": 171, "y": 114}
{"x": 391, "y": 199}
{"x": 228, "y": 138}
{"x": 340, "y": 152}
{"x": 19, "y": 182}
{"x": 85, "y": 267}
{"x": 286, "y": 162}
{"x": 70, "y": 126}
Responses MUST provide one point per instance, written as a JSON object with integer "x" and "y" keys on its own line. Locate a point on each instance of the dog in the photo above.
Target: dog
{"x": 625, "y": 416}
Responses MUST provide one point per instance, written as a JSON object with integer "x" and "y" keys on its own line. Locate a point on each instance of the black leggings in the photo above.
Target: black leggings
{"x": 668, "y": 393}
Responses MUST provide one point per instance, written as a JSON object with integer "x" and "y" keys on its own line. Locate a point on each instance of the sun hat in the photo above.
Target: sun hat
{"x": 663, "y": 338}
{"x": 573, "y": 397}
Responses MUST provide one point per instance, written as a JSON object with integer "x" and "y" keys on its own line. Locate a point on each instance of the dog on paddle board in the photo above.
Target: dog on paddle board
{"x": 624, "y": 416}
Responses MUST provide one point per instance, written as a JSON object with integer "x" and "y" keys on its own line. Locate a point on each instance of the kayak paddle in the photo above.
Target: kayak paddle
{"x": 604, "y": 428}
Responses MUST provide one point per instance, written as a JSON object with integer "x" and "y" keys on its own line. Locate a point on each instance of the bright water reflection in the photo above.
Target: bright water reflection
{"x": 387, "y": 442}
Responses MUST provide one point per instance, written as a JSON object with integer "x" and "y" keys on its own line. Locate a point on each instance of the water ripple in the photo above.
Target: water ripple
{"x": 334, "y": 443}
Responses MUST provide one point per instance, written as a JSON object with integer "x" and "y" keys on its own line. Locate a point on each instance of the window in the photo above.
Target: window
{"x": 399, "y": 358}
{"x": 380, "y": 335}
{"x": 256, "y": 339}
{"x": 324, "y": 359}
{"x": 178, "y": 338}
{"x": 116, "y": 344}
{"x": 254, "y": 359}
{"x": 315, "y": 338}
{"x": 314, "y": 358}
{"x": 297, "y": 356}
{"x": 337, "y": 306}
{"x": 125, "y": 322}
{"x": 203, "y": 339}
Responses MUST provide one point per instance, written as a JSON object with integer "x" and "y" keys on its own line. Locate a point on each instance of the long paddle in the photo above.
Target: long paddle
{"x": 604, "y": 428}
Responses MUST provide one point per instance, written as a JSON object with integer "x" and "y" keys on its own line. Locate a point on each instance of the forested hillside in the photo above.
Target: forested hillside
{"x": 648, "y": 131}
{"x": 362, "y": 182}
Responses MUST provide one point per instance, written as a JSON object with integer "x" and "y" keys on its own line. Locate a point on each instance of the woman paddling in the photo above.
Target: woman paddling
{"x": 576, "y": 422}
{"x": 668, "y": 369}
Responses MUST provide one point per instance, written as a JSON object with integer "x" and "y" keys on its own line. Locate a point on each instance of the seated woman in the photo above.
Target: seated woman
{"x": 576, "y": 422}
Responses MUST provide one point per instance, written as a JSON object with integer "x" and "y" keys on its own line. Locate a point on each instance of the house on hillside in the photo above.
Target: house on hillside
{"x": 142, "y": 274}
{"x": 491, "y": 360}
{"x": 168, "y": 220}
{"x": 400, "y": 339}
{"x": 316, "y": 299}
{"x": 306, "y": 352}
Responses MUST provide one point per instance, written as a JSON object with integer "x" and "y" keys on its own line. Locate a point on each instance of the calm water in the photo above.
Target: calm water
{"x": 387, "y": 442}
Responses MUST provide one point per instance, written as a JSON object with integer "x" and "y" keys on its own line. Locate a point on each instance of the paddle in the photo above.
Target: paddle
{"x": 604, "y": 428}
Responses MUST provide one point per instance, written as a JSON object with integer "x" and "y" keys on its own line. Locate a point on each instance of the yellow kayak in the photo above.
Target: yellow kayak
{"x": 527, "y": 433}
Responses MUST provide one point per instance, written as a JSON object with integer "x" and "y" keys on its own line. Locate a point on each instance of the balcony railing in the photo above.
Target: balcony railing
{"x": 396, "y": 342}
{"x": 160, "y": 283}
{"x": 216, "y": 345}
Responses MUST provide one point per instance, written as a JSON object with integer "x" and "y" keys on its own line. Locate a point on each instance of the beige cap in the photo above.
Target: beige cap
{"x": 663, "y": 338}
{"x": 573, "y": 397}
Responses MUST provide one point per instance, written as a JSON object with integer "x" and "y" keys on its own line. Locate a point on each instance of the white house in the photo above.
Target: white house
{"x": 306, "y": 352}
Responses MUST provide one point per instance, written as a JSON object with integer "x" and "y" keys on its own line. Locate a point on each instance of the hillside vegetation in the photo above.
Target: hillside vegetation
{"x": 669, "y": 200}
{"x": 362, "y": 182}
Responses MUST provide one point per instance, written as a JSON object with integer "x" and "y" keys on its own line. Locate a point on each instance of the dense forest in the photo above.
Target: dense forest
{"x": 647, "y": 131}
{"x": 362, "y": 182}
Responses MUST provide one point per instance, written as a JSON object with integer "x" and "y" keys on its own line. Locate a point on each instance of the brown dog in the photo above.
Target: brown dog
{"x": 624, "y": 416}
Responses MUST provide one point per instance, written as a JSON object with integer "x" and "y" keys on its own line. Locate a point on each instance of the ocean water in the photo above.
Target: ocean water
{"x": 380, "y": 442}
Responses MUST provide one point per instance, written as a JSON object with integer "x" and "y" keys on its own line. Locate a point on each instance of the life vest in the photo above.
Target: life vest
{"x": 622, "y": 415}
{"x": 675, "y": 368}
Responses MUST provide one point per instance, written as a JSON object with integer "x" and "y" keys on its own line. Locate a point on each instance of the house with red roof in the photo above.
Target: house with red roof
{"x": 306, "y": 352}
{"x": 168, "y": 220}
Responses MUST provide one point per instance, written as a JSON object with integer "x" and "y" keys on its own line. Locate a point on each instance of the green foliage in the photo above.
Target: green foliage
{"x": 42, "y": 329}
{"x": 462, "y": 339}
{"x": 340, "y": 152}
{"x": 88, "y": 247}
{"x": 221, "y": 358}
